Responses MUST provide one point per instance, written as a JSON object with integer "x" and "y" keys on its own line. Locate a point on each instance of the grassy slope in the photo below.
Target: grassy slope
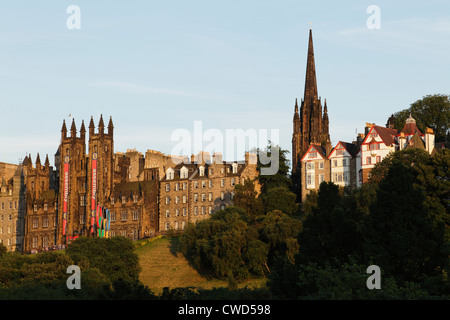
{"x": 163, "y": 265}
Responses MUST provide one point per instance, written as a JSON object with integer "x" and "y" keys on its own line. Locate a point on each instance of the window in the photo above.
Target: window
{"x": 313, "y": 154}
{"x": 135, "y": 198}
{"x": 82, "y": 219}
{"x": 235, "y": 167}
{"x": 222, "y": 183}
{"x": 321, "y": 165}
{"x": 321, "y": 177}
{"x": 135, "y": 215}
{"x": 167, "y": 200}
{"x": 378, "y": 158}
{"x": 196, "y": 184}
{"x": 112, "y": 201}
{"x": 167, "y": 213}
{"x": 45, "y": 206}
{"x": 309, "y": 179}
{"x": 203, "y": 210}
{"x": 203, "y": 196}
{"x": 310, "y": 165}
{"x": 177, "y": 186}
{"x": 232, "y": 181}
{"x": 210, "y": 184}
{"x": 169, "y": 174}
{"x": 184, "y": 185}
{"x": 35, "y": 208}
{"x": 167, "y": 186}
{"x": 335, "y": 163}
{"x": 82, "y": 201}
{"x": 344, "y": 162}
{"x": 124, "y": 216}
{"x": 232, "y": 194}
{"x": 124, "y": 199}
{"x": 167, "y": 225}
{"x": 176, "y": 225}
{"x": 35, "y": 223}
{"x": 195, "y": 197}
{"x": 203, "y": 184}
{"x": 177, "y": 212}
{"x": 210, "y": 209}
{"x": 201, "y": 171}
{"x": 113, "y": 216}
{"x": 222, "y": 195}
{"x": 184, "y": 212}
{"x": 339, "y": 152}
{"x": 369, "y": 160}
{"x": 210, "y": 196}
{"x": 177, "y": 199}
{"x": 184, "y": 173}
{"x": 184, "y": 198}
{"x": 195, "y": 210}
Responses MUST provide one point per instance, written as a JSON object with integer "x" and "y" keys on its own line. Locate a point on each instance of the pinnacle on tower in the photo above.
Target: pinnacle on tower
{"x": 110, "y": 126}
{"x": 73, "y": 129}
{"x": 83, "y": 128}
{"x": 38, "y": 160}
{"x": 47, "y": 163}
{"x": 91, "y": 126}
{"x": 64, "y": 129}
{"x": 101, "y": 125}
{"x": 310, "y": 80}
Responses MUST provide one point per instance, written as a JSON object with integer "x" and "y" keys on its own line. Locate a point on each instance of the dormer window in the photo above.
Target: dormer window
{"x": 201, "y": 171}
{"x": 235, "y": 167}
{"x": 184, "y": 173}
{"x": 169, "y": 174}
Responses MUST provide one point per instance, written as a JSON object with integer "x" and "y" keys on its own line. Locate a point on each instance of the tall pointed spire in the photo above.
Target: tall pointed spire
{"x": 310, "y": 81}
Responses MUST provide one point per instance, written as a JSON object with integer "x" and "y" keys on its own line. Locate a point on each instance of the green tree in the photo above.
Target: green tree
{"x": 113, "y": 257}
{"x": 247, "y": 199}
{"x": 399, "y": 234}
{"x": 280, "y": 198}
{"x": 332, "y": 231}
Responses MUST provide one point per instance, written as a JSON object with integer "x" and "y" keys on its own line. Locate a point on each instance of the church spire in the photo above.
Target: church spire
{"x": 310, "y": 81}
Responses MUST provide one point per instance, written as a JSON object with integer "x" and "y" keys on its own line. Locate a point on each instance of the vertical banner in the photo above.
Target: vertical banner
{"x": 94, "y": 190}
{"x": 66, "y": 192}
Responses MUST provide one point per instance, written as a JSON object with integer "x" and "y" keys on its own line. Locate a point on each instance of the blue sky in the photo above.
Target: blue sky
{"x": 158, "y": 66}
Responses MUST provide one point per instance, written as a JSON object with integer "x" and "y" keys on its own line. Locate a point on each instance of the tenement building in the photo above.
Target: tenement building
{"x": 12, "y": 206}
{"x": 192, "y": 190}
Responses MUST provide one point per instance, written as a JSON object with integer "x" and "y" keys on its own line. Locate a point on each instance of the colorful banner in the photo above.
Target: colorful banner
{"x": 103, "y": 222}
{"x": 93, "y": 190}
{"x": 66, "y": 192}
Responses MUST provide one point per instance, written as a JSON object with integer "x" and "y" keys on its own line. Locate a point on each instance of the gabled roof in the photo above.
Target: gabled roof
{"x": 351, "y": 148}
{"x": 316, "y": 148}
{"x": 386, "y": 134}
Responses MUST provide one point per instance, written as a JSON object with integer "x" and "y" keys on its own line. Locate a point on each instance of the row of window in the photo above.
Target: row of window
{"x": 178, "y": 186}
{"x": 82, "y": 220}
{"x": 196, "y": 197}
{"x": 197, "y": 210}
{"x": 335, "y": 177}
{"x": 184, "y": 172}
{"x": 10, "y": 205}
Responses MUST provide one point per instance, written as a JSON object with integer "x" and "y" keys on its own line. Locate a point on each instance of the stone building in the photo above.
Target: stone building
{"x": 41, "y": 206}
{"x": 12, "y": 206}
{"x": 192, "y": 191}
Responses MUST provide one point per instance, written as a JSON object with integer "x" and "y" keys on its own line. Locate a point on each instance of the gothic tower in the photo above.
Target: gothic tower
{"x": 311, "y": 125}
{"x": 72, "y": 183}
{"x": 100, "y": 165}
